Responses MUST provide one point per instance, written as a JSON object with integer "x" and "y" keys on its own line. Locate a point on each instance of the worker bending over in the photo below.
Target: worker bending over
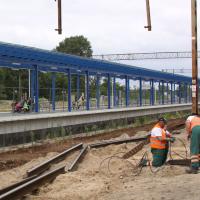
{"x": 159, "y": 142}
{"x": 193, "y": 131}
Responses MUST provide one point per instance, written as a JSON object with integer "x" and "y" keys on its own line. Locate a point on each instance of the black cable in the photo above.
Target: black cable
{"x": 138, "y": 167}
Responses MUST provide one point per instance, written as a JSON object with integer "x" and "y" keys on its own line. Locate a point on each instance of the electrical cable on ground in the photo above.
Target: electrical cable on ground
{"x": 138, "y": 167}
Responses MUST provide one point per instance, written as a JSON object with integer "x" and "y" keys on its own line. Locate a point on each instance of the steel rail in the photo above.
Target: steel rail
{"x": 78, "y": 159}
{"x": 109, "y": 142}
{"x": 136, "y": 149}
{"x": 32, "y": 185}
{"x": 14, "y": 185}
{"x": 46, "y": 164}
{"x": 182, "y": 162}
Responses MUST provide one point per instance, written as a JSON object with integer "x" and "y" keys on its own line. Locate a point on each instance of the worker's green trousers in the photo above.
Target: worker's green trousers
{"x": 159, "y": 156}
{"x": 195, "y": 147}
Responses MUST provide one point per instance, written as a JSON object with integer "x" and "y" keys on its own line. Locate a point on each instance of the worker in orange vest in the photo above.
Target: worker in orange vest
{"x": 193, "y": 130}
{"x": 159, "y": 142}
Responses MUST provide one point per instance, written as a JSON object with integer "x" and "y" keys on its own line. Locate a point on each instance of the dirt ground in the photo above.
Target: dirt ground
{"x": 98, "y": 178}
{"x": 16, "y": 156}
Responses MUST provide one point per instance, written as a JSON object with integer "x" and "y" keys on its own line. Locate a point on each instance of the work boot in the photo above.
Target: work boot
{"x": 192, "y": 170}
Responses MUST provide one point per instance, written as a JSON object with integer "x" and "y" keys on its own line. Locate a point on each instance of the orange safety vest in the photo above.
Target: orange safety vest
{"x": 195, "y": 122}
{"x": 155, "y": 142}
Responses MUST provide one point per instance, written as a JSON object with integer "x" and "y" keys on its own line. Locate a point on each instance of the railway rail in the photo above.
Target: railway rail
{"x": 42, "y": 173}
{"x": 39, "y": 175}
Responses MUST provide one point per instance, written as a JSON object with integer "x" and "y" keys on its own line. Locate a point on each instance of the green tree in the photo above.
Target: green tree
{"x": 75, "y": 45}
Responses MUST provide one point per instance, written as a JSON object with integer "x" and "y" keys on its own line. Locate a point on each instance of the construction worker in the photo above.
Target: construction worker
{"x": 193, "y": 131}
{"x": 159, "y": 142}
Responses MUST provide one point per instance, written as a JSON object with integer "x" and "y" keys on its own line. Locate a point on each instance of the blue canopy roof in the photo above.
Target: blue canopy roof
{"x": 18, "y": 56}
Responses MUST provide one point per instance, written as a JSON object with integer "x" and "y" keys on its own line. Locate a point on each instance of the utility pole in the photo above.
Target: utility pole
{"x": 148, "y": 16}
{"x": 194, "y": 58}
{"x": 59, "y": 29}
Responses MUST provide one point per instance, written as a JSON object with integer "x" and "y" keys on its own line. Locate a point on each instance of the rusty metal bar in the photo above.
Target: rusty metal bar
{"x": 182, "y": 162}
{"x": 59, "y": 29}
{"x": 28, "y": 185}
{"x": 136, "y": 149}
{"x": 194, "y": 58}
{"x": 10, "y": 187}
{"x": 106, "y": 143}
{"x": 78, "y": 159}
{"x": 45, "y": 165}
{"x": 31, "y": 185}
{"x": 148, "y": 16}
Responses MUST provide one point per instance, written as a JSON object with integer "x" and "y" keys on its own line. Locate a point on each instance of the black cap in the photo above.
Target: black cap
{"x": 162, "y": 119}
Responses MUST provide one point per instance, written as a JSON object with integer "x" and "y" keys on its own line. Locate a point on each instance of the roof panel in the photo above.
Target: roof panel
{"x": 41, "y": 57}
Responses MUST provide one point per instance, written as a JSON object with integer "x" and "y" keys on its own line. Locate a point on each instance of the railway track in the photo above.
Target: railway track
{"x": 42, "y": 173}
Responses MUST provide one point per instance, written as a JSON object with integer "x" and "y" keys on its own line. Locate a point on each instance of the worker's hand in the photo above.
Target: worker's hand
{"x": 172, "y": 139}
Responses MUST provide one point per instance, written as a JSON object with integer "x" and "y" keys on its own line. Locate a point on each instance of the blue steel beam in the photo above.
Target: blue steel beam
{"x": 14, "y": 65}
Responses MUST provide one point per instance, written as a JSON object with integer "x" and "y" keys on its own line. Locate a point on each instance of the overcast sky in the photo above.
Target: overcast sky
{"x": 112, "y": 26}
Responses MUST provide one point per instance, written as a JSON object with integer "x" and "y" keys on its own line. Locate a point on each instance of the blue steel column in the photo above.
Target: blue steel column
{"x": 150, "y": 94}
{"x": 167, "y": 92}
{"x": 127, "y": 91}
{"x": 140, "y": 91}
{"x": 87, "y": 91}
{"x": 174, "y": 96}
{"x": 159, "y": 93}
{"x": 53, "y": 79}
{"x": 69, "y": 91}
{"x": 98, "y": 92}
{"x": 78, "y": 86}
{"x": 114, "y": 91}
{"x": 36, "y": 88}
{"x": 163, "y": 95}
{"x": 32, "y": 84}
{"x": 190, "y": 92}
{"x": 152, "y": 100}
{"x": 171, "y": 92}
{"x": 186, "y": 93}
{"x": 179, "y": 93}
{"x": 108, "y": 92}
